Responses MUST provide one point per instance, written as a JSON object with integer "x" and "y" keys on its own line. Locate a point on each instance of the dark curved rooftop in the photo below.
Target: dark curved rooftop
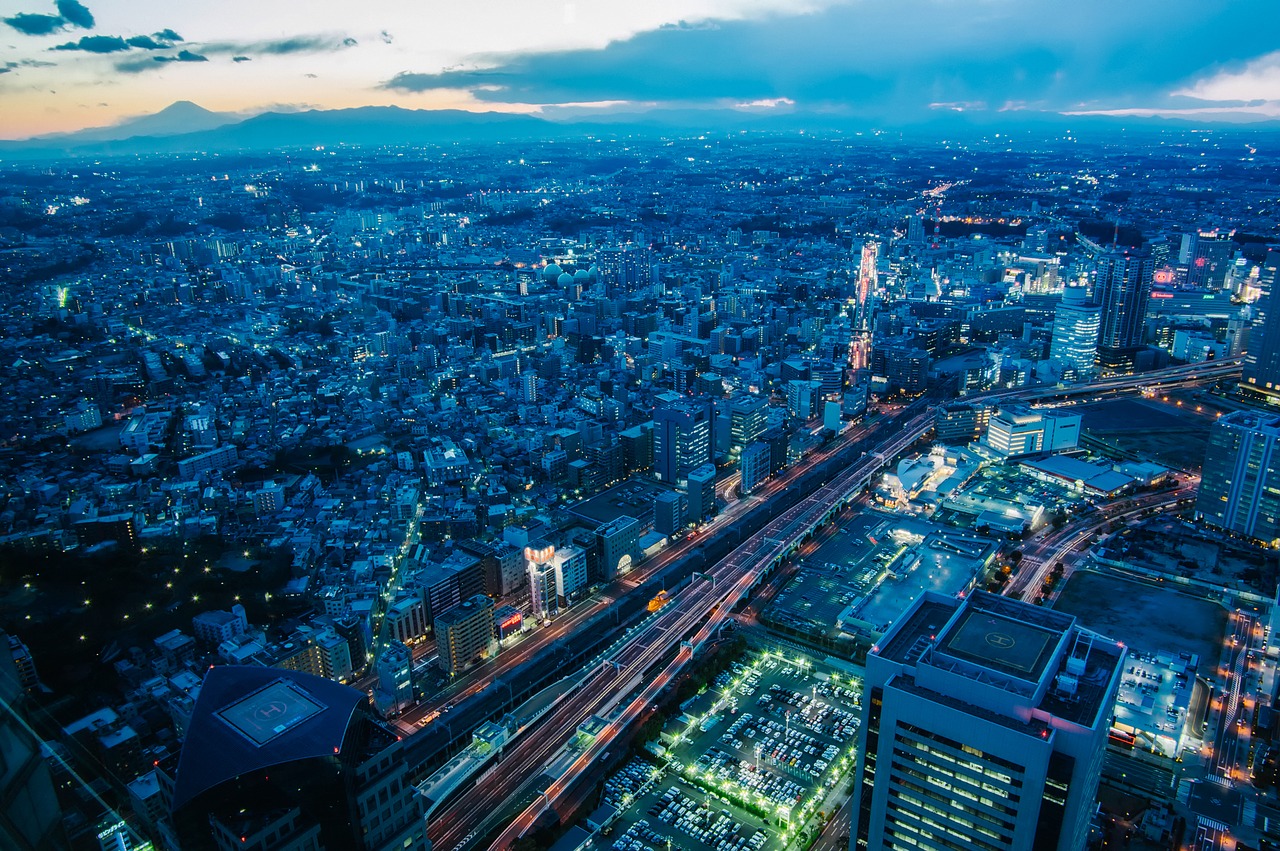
{"x": 248, "y": 718}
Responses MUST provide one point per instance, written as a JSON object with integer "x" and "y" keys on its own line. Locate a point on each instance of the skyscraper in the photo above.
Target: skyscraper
{"x": 1240, "y": 481}
{"x": 464, "y": 633}
{"x": 1262, "y": 359}
{"x": 625, "y": 269}
{"x": 30, "y": 816}
{"x": 985, "y": 723}
{"x": 1076, "y": 322}
{"x": 681, "y": 439}
{"x": 1122, "y": 290}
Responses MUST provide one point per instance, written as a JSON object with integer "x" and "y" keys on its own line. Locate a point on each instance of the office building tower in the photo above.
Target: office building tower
{"x": 802, "y": 398}
{"x": 985, "y": 723}
{"x": 618, "y": 543}
{"x": 1240, "y": 480}
{"x": 464, "y": 634}
{"x": 543, "y": 598}
{"x": 1076, "y": 323}
{"x": 1262, "y": 359}
{"x": 1206, "y": 256}
{"x": 961, "y": 423}
{"x": 30, "y": 816}
{"x": 1121, "y": 290}
{"x": 747, "y": 420}
{"x": 394, "y": 666}
{"x": 754, "y": 466}
{"x": 702, "y": 493}
{"x": 669, "y": 512}
{"x": 571, "y": 573}
{"x": 681, "y": 439}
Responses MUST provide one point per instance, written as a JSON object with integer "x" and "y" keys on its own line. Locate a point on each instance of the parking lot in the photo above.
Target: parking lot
{"x": 752, "y": 764}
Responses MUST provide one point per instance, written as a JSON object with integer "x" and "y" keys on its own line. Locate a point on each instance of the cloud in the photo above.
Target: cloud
{"x": 156, "y": 41}
{"x": 75, "y": 14}
{"x": 182, "y": 56}
{"x": 11, "y": 66}
{"x": 71, "y": 13}
{"x": 282, "y": 47}
{"x": 1259, "y": 79}
{"x": 145, "y": 42}
{"x": 96, "y": 44}
{"x": 385, "y": 36}
{"x": 154, "y": 63}
{"x": 888, "y": 59}
{"x": 32, "y": 24}
{"x": 311, "y": 76}
{"x": 241, "y": 59}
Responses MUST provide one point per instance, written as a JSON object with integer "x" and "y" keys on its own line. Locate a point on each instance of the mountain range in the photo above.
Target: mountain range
{"x": 187, "y": 127}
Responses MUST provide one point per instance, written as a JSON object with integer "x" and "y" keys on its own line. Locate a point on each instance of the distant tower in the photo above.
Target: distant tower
{"x": 1240, "y": 481}
{"x": 1122, "y": 290}
{"x": 1262, "y": 361}
{"x": 1075, "y": 333}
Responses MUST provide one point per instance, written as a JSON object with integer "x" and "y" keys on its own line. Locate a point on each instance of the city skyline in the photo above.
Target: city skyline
{"x": 73, "y": 65}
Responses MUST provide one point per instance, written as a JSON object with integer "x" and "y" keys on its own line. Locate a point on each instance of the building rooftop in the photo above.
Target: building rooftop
{"x": 1004, "y": 643}
{"x": 248, "y": 718}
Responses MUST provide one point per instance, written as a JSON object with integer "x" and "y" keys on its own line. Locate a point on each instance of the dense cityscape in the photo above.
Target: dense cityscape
{"x": 627, "y": 491}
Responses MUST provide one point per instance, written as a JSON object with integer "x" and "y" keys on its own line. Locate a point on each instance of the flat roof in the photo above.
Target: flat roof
{"x": 269, "y": 712}
{"x": 1007, "y": 645}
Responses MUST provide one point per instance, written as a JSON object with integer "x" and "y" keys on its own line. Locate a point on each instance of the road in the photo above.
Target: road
{"x": 705, "y": 602}
{"x": 628, "y": 665}
{"x": 480, "y": 676}
{"x": 1056, "y": 545}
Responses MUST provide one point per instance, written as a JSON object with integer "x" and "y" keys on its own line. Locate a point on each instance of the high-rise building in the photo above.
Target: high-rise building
{"x": 746, "y": 420}
{"x": 1206, "y": 256}
{"x": 754, "y": 466}
{"x": 625, "y": 269}
{"x": 543, "y": 599}
{"x": 30, "y": 816}
{"x": 961, "y": 423}
{"x": 571, "y": 573}
{"x": 1076, "y": 323}
{"x": 1262, "y": 360}
{"x": 985, "y": 724}
{"x": 618, "y": 543}
{"x": 681, "y": 439}
{"x": 1240, "y": 480}
{"x": 669, "y": 508}
{"x": 465, "y": 633}
{"x": 1121, "y": 290}
{"x": 395, "y": 678}
{"x": 702, "y": 493}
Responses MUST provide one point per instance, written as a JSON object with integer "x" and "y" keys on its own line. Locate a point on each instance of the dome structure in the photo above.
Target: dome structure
{"x": 550, "y": 272}
{"x": 565, "y": 279}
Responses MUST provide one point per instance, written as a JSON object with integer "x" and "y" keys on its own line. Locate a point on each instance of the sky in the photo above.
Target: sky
{"x": 71, "y": 64}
